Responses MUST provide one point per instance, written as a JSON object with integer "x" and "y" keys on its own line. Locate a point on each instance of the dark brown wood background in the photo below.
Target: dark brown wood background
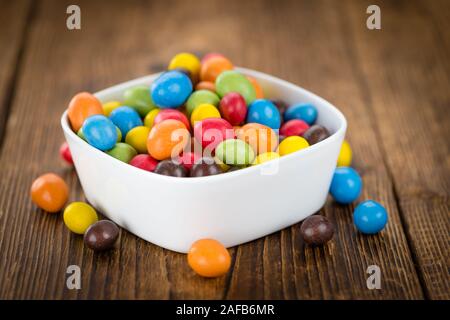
{"x": 392, "y": 84}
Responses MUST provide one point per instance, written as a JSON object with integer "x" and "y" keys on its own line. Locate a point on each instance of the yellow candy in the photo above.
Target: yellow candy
{"x": 137, "y": 138}
{"x": 204, "y": 111}
{"x": 108, "y": 107}
{"x": 345, "y": 155}
{"x": 264, "y": 157}
{"x": 187, "y": 61}
{"x": 78, "y": 216}
{"x": 292, "y": 144}
{"x": 150, "y": 117}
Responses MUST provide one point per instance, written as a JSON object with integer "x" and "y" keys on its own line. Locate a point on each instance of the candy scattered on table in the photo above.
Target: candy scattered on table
{"x": 345, "y": 155}
{"x": 316, "y": 230}
{"x": 101, "y": 235}
{"x": 209, "y": 258}
{"x": 370, "y": 217}
{"x": 346, "y": 185}
{"x": 78, "y": 216}
{"x": 49, "y": 192}
{"x": 65, "y": 153}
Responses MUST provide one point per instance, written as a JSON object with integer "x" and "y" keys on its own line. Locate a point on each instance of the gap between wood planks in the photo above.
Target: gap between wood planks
{"x": 11, "y": 85}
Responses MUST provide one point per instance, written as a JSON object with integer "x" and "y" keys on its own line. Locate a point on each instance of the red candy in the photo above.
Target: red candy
{"x": 233, "y": 108}
{"x": 65, "y": 154}
{"x": 210, "y": 132}
{"x": 187, "y": 159}
{"x": 172, "y": 114}
{"x": 294, "y": 127}
{"x": 144, "y": 162}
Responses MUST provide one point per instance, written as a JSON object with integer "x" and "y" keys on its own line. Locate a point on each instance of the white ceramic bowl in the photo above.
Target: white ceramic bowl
{"x": 232, "y": 208}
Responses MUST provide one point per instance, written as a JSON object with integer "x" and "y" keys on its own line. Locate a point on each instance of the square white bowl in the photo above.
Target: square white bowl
{"x": 232, "y": 208}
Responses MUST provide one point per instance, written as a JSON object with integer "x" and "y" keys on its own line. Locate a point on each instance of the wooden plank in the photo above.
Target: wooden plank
{"x": 37, "y": 248}
{"x": 405, "y": 67}
{"x": 12, "y": 36}
{"x": 315, "y": 55}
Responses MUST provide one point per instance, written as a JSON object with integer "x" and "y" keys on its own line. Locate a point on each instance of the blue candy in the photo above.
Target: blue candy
{"x": 100, "y": 132}
{"x": 303, "y": 111}
{"x": 125, "y": 118}
{"x": 346, "y": 185}
{"x": 171, "y": 89}
{"x": 370, "y": 217}
{"x": 264, "y": 112}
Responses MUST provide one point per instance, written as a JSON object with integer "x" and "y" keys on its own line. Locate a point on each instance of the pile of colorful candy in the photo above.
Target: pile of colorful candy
{"x": 199, "y": 118}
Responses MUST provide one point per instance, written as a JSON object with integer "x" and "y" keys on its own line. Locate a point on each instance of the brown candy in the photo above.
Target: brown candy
{"x": 170, "y": 168}
{"x": 282, "y": 106}
{"x": 205, "y": 167}
{"x": 102, "y": 235}
{"x": 317, "y": 230}
{"x": 316, "y": 133}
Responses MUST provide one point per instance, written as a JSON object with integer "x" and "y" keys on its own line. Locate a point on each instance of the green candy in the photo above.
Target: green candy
{"x": 119, "y": 134}
{"x": 80, "y": 134}
{"x": 200, "y": 97}
{"x": 139, "y": 98}
{"x": 233, "y": 81}
{"x": 123, "y": 152}
{"x": 235, "y": 152}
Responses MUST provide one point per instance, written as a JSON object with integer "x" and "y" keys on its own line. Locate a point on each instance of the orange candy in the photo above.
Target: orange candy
{"x": 82, "y": 106}
{"x": 260, "y": 137}
{"x": 167, "y": 139}
{"x": 257, "y": 87}
{"x": 49, "y": 192}
{"x": 214, "y": 66}
{"x": 209, "y": 258}
{"x": 206, "y": 85}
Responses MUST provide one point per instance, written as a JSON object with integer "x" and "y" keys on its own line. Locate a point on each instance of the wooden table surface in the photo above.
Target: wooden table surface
{"x": 392, "y": 84}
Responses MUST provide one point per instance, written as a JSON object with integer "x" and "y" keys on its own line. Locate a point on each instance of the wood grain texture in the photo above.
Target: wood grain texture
{"x": 313, "y": 44}
{"x": 407, "y": 91}
{"x": 12, "y": 38}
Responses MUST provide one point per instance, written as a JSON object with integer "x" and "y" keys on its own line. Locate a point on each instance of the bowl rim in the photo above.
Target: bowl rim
{"x": 188, "y": 180}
